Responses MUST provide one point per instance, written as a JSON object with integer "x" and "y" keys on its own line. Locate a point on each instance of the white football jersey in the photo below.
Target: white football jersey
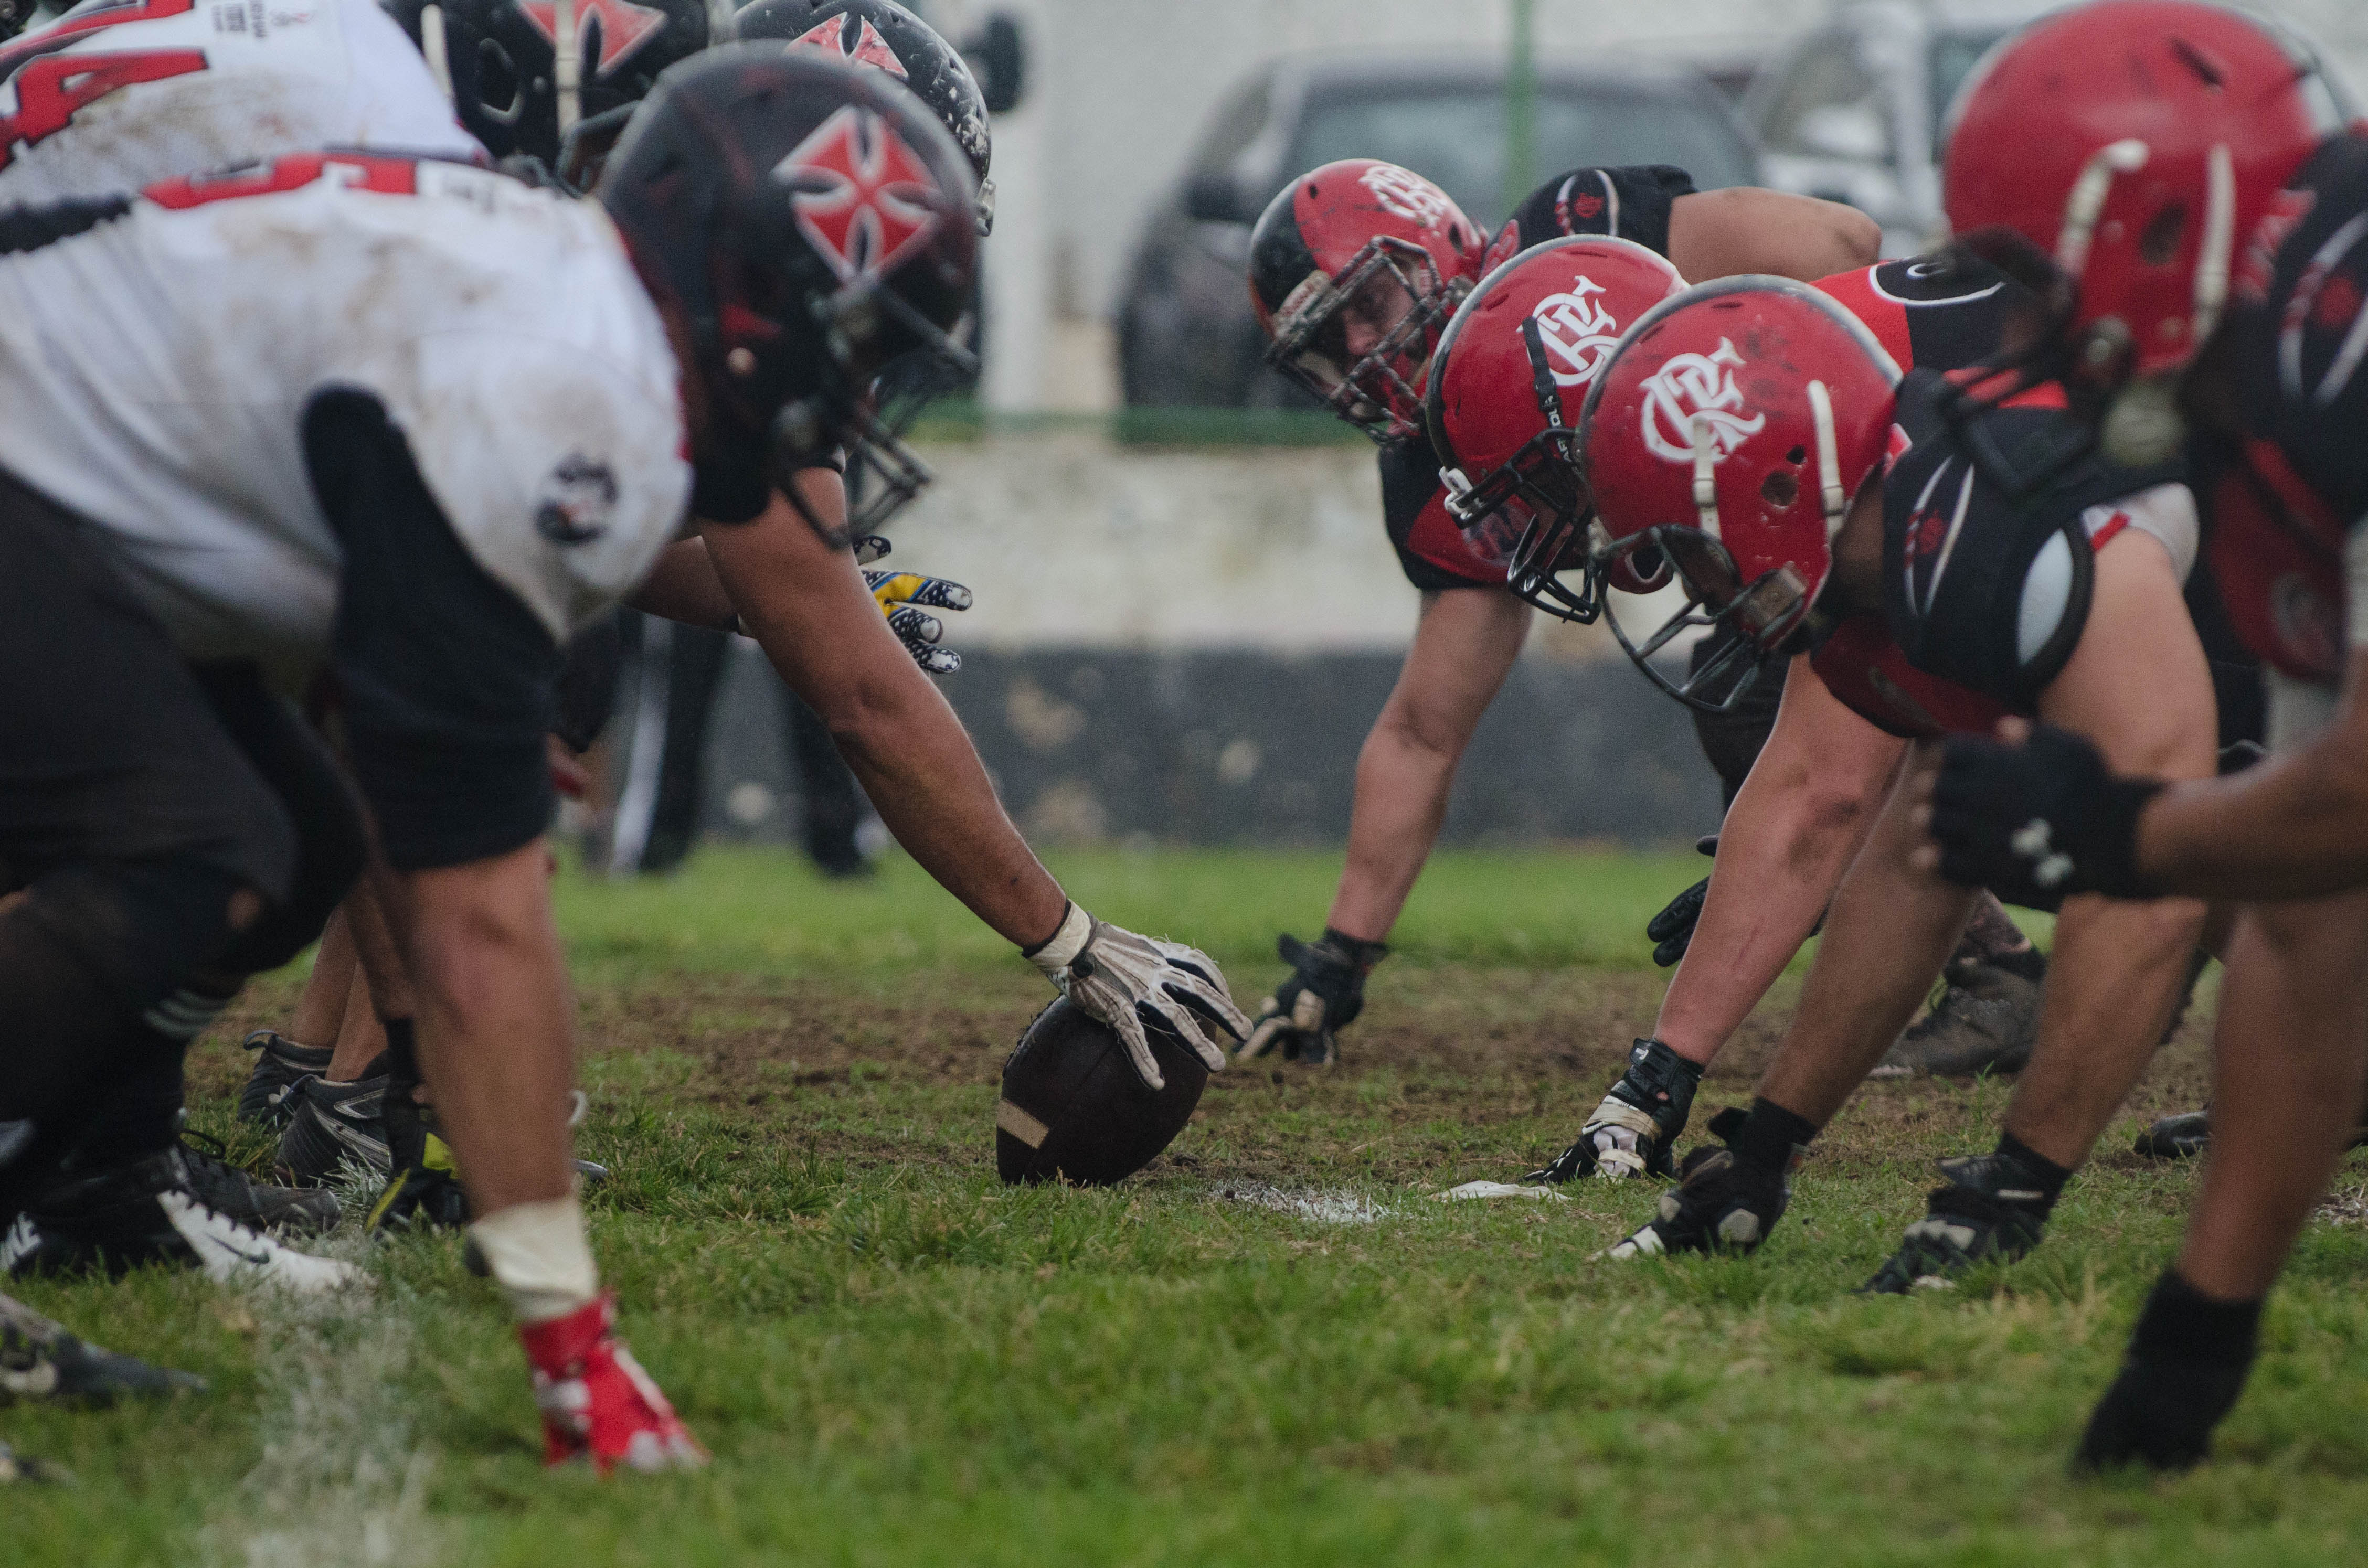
{"x": 116, "y": 95}
{"x": 157, "y": 367}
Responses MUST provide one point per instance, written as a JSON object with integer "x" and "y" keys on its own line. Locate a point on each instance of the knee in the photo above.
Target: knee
{"x": 136, "y": 930}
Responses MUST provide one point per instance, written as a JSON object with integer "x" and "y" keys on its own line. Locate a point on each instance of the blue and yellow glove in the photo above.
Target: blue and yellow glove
{"x": 906, "y": 599}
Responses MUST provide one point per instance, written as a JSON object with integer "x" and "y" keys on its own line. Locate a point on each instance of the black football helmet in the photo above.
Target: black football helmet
{"x": 812, "y": 222}
{"x": 515, "y": 90}
{"x": 883, "y": 34}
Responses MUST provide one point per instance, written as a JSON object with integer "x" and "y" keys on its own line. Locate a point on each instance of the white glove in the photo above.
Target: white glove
{"x": 1112, "y": 973}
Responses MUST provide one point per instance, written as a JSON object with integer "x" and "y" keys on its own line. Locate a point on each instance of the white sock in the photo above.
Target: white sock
{"x": 540, "y": 1257}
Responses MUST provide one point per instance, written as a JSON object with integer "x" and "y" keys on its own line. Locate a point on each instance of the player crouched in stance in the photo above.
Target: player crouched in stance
{"x": 405, "y": 425}
{"x": 1356, "y": 269}
{"x": 2270, "y": 408}
{"x": 1939, "y": 569}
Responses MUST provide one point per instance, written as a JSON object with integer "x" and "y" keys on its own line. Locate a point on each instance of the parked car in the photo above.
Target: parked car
{"x": 1854, "y": 112}
{"x": 1187, "y": 334}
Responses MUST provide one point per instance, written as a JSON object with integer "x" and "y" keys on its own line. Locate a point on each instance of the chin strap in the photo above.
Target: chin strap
{"x": 1706, "y": 475}
{"x": 1829, "y": 462}
{"x": 2087, "y": 201}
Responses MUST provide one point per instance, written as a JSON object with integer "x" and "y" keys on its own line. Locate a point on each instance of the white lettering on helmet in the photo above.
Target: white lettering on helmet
{"x": 1578, "y": 332}
{"x": 1407, "y": 194}
{"x": 1691, "y": 387}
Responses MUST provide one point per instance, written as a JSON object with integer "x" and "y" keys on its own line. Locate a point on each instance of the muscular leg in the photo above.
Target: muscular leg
{"x": 2291, "y": 1064}
{"x": 1890, "y": 930}
{"x": 2119, "y": 968}
{"x": 322, "y": 1007}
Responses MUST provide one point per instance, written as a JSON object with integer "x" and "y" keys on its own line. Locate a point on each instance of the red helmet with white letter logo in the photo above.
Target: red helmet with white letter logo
{"x": 1729, "y": 433}
{"x": 810, "y": 221}
{"x": 1507, "y": 387}
{"x": 1355, "y": 269}
{"x": 2132, "y": 146}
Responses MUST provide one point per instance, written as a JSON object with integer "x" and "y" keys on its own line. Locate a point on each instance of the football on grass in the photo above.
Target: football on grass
{"x": 1073, "y": 1109}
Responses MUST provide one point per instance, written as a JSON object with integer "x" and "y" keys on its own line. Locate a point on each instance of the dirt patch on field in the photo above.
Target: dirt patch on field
{"x": 1449, "y": 1068}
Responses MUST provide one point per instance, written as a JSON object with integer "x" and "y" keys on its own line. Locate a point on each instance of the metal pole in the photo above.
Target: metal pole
{"x": 1521, "y": 105}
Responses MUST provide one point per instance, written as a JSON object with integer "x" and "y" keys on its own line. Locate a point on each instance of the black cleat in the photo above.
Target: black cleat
{"x": 334, "y": 1125}
{"x": 2179, "y": 1137}
{"x": 259, "y": 1205}
{"x": 1984, "y": 1212}
{"x": 41, "y": 1360}
{"x": 269, "y": 1098}
{"x": 1985, "y": 1020}
{"x": 125, "y": 1216}
{"x": 423, "y": 1188}
{"x": 1721, "y": 1204}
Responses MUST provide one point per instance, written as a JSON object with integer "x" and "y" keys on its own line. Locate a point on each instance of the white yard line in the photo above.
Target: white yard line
{"x": 1332, "y": 1207}
{"x": 343, "y": 1483}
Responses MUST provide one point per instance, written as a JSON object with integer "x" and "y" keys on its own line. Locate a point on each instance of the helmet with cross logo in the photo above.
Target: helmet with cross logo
{"x": 811, "y": 222}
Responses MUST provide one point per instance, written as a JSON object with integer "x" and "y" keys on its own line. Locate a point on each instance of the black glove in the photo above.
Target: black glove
{"x": 1673, "y": 928}
{"x": 1632, "y": 1131}
{"x": 2187, "y": 1359}
{"x": 1323, "y": 994}
{"x": 2036, "y": 821}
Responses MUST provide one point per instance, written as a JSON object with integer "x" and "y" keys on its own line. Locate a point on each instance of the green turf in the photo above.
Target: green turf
{"x": 898, "y": 1361}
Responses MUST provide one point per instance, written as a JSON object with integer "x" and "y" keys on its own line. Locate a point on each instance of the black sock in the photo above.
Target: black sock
{"x": 2035, "y": 1167}
{"x": 138, "y": 1111}
{"x": 1770, "y": 1136}
{"x": 2181, "y": 1324}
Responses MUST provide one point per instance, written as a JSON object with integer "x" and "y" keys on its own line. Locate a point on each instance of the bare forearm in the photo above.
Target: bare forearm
{"x": 925, "y": 779}
{"x": 1781, "y": 854}
{"x": 2296, "y": 827}
{"x": 684, "y": 587}
{"x": 1402, "y": 788}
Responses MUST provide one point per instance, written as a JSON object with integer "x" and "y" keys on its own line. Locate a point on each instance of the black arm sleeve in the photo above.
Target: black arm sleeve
{"x": 1632, "y": 202}
{"x": 445, "y": 678}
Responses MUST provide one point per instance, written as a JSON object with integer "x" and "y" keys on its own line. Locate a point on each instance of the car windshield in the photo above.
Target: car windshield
{"x": 1953, "y": 55}
{"x": 1456, "y": 137}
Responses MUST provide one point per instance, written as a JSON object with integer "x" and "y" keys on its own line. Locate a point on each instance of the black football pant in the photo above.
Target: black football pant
{"x": 139, "y": 794}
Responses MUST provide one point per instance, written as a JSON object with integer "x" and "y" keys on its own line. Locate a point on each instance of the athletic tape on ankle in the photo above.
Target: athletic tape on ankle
{"x": 1065, "y": 944}
{"x": 537, "y": 1252}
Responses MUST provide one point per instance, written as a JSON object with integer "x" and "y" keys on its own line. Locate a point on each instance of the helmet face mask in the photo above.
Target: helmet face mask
{"x": 1355, "y": 269}
{"x": 1361, "y": 340}
{"x": 1749, "y": 620}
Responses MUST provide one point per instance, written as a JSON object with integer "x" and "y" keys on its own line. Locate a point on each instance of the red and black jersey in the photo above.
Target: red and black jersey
{"x": 2288, "y": 484}
{"x": 1629, "y": 203}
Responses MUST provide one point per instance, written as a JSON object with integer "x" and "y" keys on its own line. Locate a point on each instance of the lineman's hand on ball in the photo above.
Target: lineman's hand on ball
{"x": 1323, "y": 994}
{"x": 906, "y": 599}
{"x": 1118, "y": 978}
{"x": 2032, "y": 819}
{"x": 1672, "y": 930}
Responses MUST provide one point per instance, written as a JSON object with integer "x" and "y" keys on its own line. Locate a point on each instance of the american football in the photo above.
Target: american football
{"x": 1649, "y": 717}
{"x": 1072, "y": 1107}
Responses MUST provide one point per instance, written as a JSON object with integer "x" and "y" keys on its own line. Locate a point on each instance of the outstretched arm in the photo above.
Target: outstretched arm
{"x": 1718, "y": 234}
{"x": 807, "y": 606}
{"x": 1799, "y": 818}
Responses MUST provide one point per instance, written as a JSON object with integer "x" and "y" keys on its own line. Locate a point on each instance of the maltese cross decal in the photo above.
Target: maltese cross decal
{"x": 624, "y": 26}
{"x": 862, "y": 196}
{"x": 868, "y": 48}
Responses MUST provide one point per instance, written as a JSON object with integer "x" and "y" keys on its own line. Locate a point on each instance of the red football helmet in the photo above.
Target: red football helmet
{"x": 1729, "y": 433}
{"x": 1506, "y": 386}
{"x": 2113, "y": 156}
{"x": 1355, "y": 268}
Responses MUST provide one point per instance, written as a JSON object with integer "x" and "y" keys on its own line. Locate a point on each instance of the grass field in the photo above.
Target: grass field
{"x": 1272, "y": 1347}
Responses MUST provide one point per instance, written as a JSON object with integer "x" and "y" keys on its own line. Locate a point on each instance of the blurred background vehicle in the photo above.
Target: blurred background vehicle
{"x": 1186, "y": 336}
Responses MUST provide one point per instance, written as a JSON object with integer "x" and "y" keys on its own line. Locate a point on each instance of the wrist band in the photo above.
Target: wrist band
{"x": 1056, "y": 951}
